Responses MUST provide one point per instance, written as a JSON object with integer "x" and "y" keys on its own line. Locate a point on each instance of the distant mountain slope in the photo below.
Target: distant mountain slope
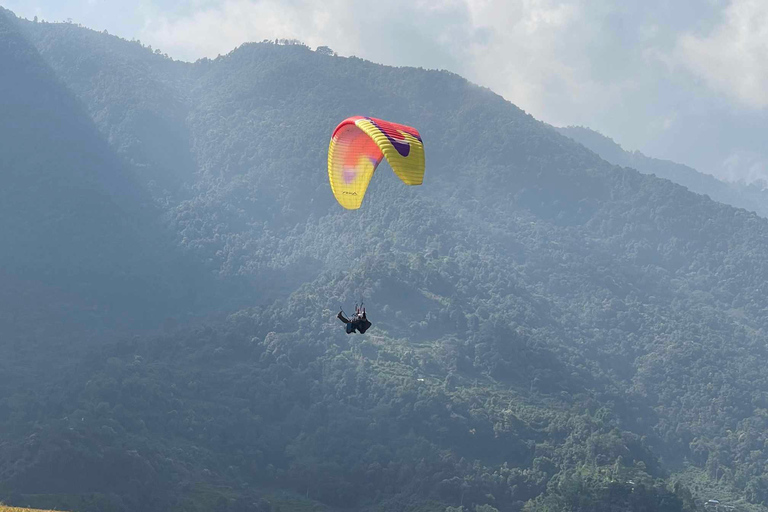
{"x": 136, "y": 120}
{"x": 75, "y": 224}
{"x": 547, "y": 326}
{"x": 752, "y": 197}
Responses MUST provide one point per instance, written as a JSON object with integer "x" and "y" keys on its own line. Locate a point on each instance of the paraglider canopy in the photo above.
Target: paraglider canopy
{"x": 357, "y": 146}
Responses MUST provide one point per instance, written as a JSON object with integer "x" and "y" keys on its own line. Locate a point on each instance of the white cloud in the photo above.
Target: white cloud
{"x": 380, "y": 31}
{"x": 733, "y": 59}
{"x": 531, "y": 51}
{"x": 217, "y": 29}
{"x": 745, "y": 166}
{"x": 536, "y": 56}
{"x": 521, "y": 53}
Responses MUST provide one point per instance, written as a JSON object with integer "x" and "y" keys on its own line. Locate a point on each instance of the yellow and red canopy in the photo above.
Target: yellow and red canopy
{"x": 357, "y": 146}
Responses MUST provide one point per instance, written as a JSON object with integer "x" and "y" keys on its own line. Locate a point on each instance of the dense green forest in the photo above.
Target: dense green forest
{"x": 550, "y": 331}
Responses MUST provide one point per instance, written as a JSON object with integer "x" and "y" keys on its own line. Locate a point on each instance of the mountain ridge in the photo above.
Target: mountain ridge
{"x": 741, "y": 195}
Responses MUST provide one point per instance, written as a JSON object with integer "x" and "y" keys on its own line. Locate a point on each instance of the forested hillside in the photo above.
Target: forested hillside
{"x": 83, "y": 249}
{"x": 751, "y": 196}
{"x": 79, "y": 232}
{"x": 551, "y": 331}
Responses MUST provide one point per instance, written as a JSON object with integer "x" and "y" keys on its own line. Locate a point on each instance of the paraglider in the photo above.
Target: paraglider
{"x": 357, "y": 147}
{"x": 359, "y": 321}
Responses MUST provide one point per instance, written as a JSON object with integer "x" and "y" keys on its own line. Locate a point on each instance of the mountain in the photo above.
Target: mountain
{"x": 84, "y": 253}
{"x": 74, "y": 222}
{"x": 550, "y": 331}
{"x": 753, "y": 197}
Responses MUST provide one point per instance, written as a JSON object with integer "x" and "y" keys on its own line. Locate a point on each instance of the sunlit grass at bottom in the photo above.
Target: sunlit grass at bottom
{"x": 4, "y": 508}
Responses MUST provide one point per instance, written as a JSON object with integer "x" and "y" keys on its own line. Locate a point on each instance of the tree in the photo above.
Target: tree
{"x": 324, "y": 50}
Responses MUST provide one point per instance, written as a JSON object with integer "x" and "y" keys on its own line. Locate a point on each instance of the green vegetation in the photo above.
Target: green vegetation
{"x": 551, "y": 332}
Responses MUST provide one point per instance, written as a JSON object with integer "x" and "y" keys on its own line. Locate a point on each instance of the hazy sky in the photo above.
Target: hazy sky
{"x": 680, "y": 79}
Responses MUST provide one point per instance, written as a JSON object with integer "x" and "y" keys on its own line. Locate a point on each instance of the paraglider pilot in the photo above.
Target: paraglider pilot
{"x": 359, "y": 321}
